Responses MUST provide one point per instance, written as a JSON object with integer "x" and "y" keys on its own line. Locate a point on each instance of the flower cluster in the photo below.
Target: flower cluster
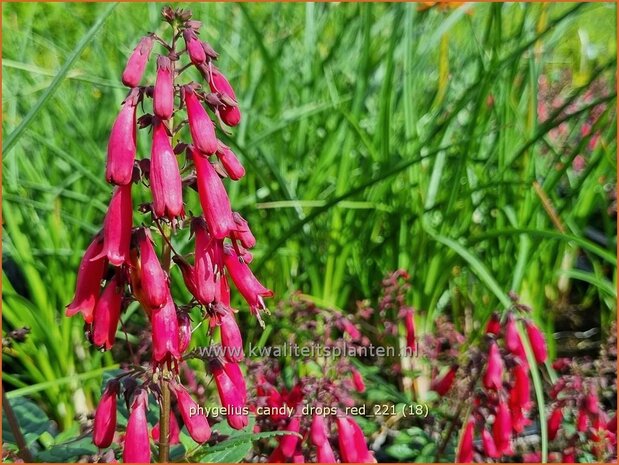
{"x": 123, "y": 256}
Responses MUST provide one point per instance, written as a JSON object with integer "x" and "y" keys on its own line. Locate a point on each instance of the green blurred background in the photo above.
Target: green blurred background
{"x": 445, "y": 141}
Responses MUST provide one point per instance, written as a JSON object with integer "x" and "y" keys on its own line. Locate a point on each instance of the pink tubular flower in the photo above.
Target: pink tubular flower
{"x": 512, "y": 338}
{"x": 246, "y": 282}
{"x": 196, "y": 423}
{"x": 488, "y": 444}
{"x": 494, "y": 325}
{"x": 353, "y": 448}
{"x": 230, "y": 395}
{"x": 493, "y": 377}
{"x": 121, "y": 146}
{"x": 243, "y": 233}
{"x": 357, "y": 380}
{"x": 154, "y": 283}
{"x": 231, "y": 339}
{"x": 200, "y": 125}
{"x": 349, "y": 328}
{"x": 465, "y": 447}
{"x": 218, "y": 83}
{"x": 591, "y": 403}
{"x": 132, "y": 75}
{"x": 522, "y": 386}
{"x": 88, "y": 284}
{"x": 165, "y": 179}
{"x": 288, "y": 442}
{"x": 137, "y": 445}
{"x": 165, "y": 333}
{"x": 184, "y": 326}
{"x": 175, "y": 431}
{"x": 105, "y": 416}
{"x": 230, "y": 162}
{"x": 233, "y": 370}
{"x": 319, "y": 436}
{"x": 194, "y": 47}
{"x": 538, "y": 344}
{"x": 409, "y": 324}
{"x": 213, "y": 198}
{"x": 117, "y": 227}
{"x": 554, "y": 423}
{"x": 204, "y": 269}
{"x": 582, "y": 420}
{"x": 163, "y": 95}
{"x": 107, "y": 314}
{"x": 502, "y": 429}
{"x": 442, "y": 384}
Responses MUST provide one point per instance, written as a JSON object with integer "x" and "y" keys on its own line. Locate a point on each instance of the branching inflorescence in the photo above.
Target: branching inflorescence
{"x": 124, "y": 257}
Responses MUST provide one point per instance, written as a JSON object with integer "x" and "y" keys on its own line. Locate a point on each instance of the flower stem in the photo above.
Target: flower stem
{"x": 24, "y": 452}
{"x": 164, "y": 421}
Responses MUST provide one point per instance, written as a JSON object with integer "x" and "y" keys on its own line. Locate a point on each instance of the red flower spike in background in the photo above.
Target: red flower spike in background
{"x": 122, "y": 144}
{"x": 358, "y": 380}
{"x": 409, "y": 325}
{"x": 105, "y": 416}
{"x": 554, "y": 423}
{"x": 163, "y": 95}
{"x": 137, "y": 445}
{"x": 165, "y": 179}
{"x": 132, "y": 75}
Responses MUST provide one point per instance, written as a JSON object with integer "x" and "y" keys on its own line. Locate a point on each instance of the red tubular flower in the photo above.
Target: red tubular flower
{"x": 465, "y": 447}
{"x": 196, "y": 423}
{"x": 409, "y": 324}
{"x": 442, "y": 384}
{"x": 117, "y": 227}
{"x": 153, "y": 280}
{"x": 353, "y": 448}
{"x": 488, "y": 444}
{"x": 493, "y": 377}
{"x": 196, "y": 52}
{"x": 165, "y": 333}
{"x": 107, "y": 314}
{"x": 230, "y": 162}
{"x": 243, "y": 233}
{"x": 512, "y": 338}
{"x": 363, "y": 453}
{"x": 246, "y": 282}
{"x": 233, "y": 370}
{"x": 218, "y": 83}
{"x": 132, "y": 75}
{"x": 200, "y": 125}
{"x": 121, "y": 146}
{"x": 230, "y": 395}
{"x": 288, "y": 442}
{"x": 105, "y": 416}
{"x": 538, "y": 343}
{"x": 175, "y": 431}
{"x": 582, "y": 420}
{"x": 213, "y": 198}
{"x": 89, "y": 276}
{"x": 502, "y": 429}
{"x": 319, "y": 436}
{"x": 163, "y": 95}
{"x": 203, "y": 270}
{"x": 591, "y": 403}
{"x": 554, "y": 423}
{"x": 357, "y": 380}
{"x": 165, "y": 179}
{"x": 349, "y": 328}
{"x": 184, "y": 326}
{"x": 494, "y": 325}
{"x": 137, "y": 445}
{"x": 231, "y": 339}
{"x": 522, "y": 386}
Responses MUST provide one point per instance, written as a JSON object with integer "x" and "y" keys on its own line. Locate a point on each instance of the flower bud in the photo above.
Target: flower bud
{"x": 107, "y": 314}
{"x": 137, "y": 445}
{"x": 165, "y": 333}
{"x": 230, "y": 114}
{"x": 105, "y": 416}
{"x": 200, "y": 125}
{"x": 231, "y": 339}
{"x": 522, "y": 386}
{"x": 89, "y": 276}
{"x": 502, "y": 429}
{"x": 488, "y": 444}
{"x": 175, "y": 431}
{"x": 132, "y": 75}
{"x": 243, "y": 233}
{"x": 494, "y": 324}
{"x": 512, "y": 338}
{"x": 230, "y": 395}
{"x": 319, "y": 433}
{"x": 196, "y": 52}
{"x": 493, "y": 377}
{"x": 196, "y": 423}
{"x": 554, "y": 423}
{"x": 357, "y": 380}
{"x": 165, "y": 179}
{"x": 117, "y": 227}
{"x": 153, "y": 280}
{"x": 288, "y": 442}
{"x": 465, "y": 447}
{"x": 230, "y": 162}
{"x": 184, "y": 325}
{"x": 538, "y": 343}
{"x": 409, "y": 325}
{"x": 353, "y": 447}
{"x": 204, "y": 270}
{"x": 442, "y": 384}
{"x": 121, "y": 146}
{"x": 163, "y": 95}
{"x": 213, "y": 198}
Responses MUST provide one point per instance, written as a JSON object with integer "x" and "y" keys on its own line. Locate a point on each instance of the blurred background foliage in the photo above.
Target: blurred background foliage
{"x": 473, "y": 146}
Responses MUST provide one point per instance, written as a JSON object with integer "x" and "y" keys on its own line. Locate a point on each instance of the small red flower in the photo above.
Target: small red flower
{"x": 493, "y": 377}
{"x": 200, "y": 125}
{"x": 230, "y": 394}
{"x": 132, "y": 75}
{"x": 137, "y": 445}
{"x": 230, "y": 162}
{"x": 229, "y": 113}
{"x": 488, "y": 444}
{"x": 165, "y": 333}
{"x": 502, "y": 429}
{"x": 231, "y": 339}
{"x": 175, "y": 431}
{"x": 163, "y": 95}
{"x": 196, "y": 423}
{"x": 465, "y": 447}
{"x": 117, "y": 227}
{"x": 554, "y": 422}
{"x": 153, "y": 280}
{"x": 442, "y": 384}
{"x": 107, "y": 314}
{"x": 242, "y": 232}
{"x": 105, "y": 416}
{"x": 121, "y": 146}
{"x": 538, "y": 343}
{"x": 196, "y": 52}
{"x": 165, "y": 179}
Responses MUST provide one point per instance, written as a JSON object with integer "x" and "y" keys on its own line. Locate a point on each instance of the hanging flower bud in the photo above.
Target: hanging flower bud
{"x": 229, "y": 394}
{"x": 233, "y": 370}
{"x": 107, "y": 314}
{"x": 512, "y": 338}
{"x": 409, "y": 324}
{"x": 494, "y": 324}
{"x": 89, "y": 276}
{"x": 488, "y": 444}
{"x": 357, "y": 380}
{"x": 319, "y": 436}
{"x": 218, "y": 83}
{"x": 153, "y": 280}
{"x": 554, "y": 423}
{"x": 132, "y": 75}
{"x": 204, "y": 270}
{"x": 230, "y": 162}
{"x": 231, "y": 339}
{"x": 442, "y": 384}
{"x": 175, "y": 431}
{"x": 245, "y": 281}
{"x": 324, "y": 453}
{"x": 137, "y": 445}
{"x": 213, "y": 198}
{"x": 165, "y": 333}
{"x": 196, "y": 423}
{"x": 105, "y": 416}
{"x": 538, "y": 344}
{"x": 493, "y": 377}
{"x": 582, "y": 420}
{"x": 288, "y": 442}
{"x": 522, "y": 386}
{"x": 200, "y": 125}
{"x": 163, "y": 95}
{"x": 502, "y": 429}
{"x": 465, "y": 447}
{"x": 242, "y": 232}
{"x": 184, "y": 325}
{"x": 165, "y": 179}
{"x": 196, "y": 52}
{"x": 121, "y": 146}
{"x": 117, "y": 227}
{"x": 591, "y": 403}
